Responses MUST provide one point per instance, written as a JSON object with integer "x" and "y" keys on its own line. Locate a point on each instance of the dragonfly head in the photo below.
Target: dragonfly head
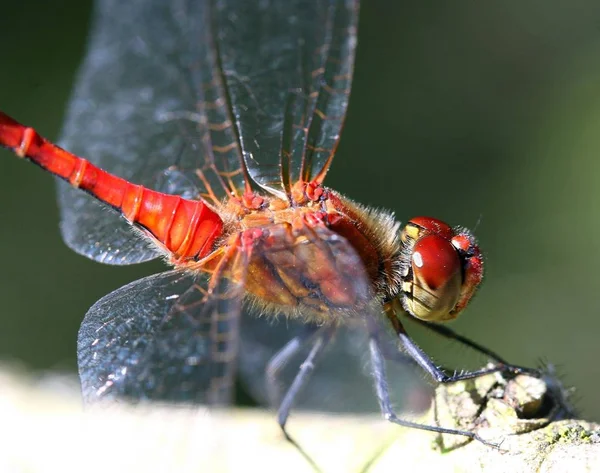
{"x": 441, "y": 269}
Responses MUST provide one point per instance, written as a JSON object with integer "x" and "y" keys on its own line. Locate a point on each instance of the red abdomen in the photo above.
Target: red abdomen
{"x": 186, "y": 228}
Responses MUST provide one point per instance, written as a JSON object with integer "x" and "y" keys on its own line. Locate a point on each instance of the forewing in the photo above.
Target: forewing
{"x": 170, "y": 337}
{"x": 149, "y": 106}
{"x": 288, "y": 70}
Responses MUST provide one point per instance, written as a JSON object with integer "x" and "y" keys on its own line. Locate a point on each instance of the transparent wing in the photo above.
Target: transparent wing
{"x": 172, "y": 95}
{"x": 174, "y": 336}
{"x": 149, "y": 106}
{"x": 171, "y": 336}
{"x": 287, "y": 66}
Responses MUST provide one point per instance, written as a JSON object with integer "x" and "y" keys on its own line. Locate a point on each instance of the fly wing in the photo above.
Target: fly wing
{"x": 287, "y": 67}
{"x": 149, "y": 105}
{"x": 172, "y": 336}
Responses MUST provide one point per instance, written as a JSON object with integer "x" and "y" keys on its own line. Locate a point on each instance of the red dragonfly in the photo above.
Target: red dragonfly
{"x": 210, "y": 127}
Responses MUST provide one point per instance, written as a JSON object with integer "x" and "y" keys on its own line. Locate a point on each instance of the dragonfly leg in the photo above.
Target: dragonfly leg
{"x": 438, "y": 374}
{"x": 282, "y": 358}
{"x": 306, "y": 369}
{"x": 383, "y": 396}
{"x": 451, "y": 334}
{"x": 391, "y": 353}
{"x": 322, "y": 336}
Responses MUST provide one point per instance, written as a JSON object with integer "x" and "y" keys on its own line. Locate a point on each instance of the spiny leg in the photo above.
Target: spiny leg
{"x": 385, "y": 405}
{"x": 437, "y": 373}
{"x": 323, "y": 335}
{"x": 451, "y": 334}
{"x": 306, "y": 369}
{"x": 391, "y": 353}
{"x": 279, "y": 361}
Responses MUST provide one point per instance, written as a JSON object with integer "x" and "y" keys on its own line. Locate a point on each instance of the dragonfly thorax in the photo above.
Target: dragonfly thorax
{"x": 323, "y": 259}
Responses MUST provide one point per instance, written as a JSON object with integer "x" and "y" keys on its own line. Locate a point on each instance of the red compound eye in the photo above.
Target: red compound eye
{"x": 443, "y": 269}
{"x": 432, "y": 225}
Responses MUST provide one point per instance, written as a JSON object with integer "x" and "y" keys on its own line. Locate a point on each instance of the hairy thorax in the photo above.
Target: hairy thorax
{"x": 323, "y": 259}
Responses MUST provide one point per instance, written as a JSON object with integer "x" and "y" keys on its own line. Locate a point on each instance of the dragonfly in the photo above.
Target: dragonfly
{"x": 208, "y": 129}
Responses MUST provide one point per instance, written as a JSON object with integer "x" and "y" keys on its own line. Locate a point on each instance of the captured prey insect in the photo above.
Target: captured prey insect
{"x": 215, "y": 124}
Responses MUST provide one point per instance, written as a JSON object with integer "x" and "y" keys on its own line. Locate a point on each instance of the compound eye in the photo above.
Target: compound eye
{"x": 420, "y": 226}
{"x": 436, "y": 279}
{"x": 442, "y": 269}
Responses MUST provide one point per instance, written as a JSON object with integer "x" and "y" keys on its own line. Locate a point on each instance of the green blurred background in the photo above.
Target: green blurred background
{"x": 485, "y": 114}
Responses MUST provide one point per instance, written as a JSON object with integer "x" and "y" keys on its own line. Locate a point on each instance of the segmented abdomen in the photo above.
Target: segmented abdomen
{"x": 186, "y": 228}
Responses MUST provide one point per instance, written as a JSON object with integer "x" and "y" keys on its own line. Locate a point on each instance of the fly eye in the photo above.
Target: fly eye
{"x": 443, "y": 268}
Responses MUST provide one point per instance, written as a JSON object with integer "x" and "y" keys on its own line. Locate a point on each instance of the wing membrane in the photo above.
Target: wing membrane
{"x": 177, "y": 96}
{"x": 148, "y": 106}
{"x": 171, "y": 336}
{"x": 174, "y": 336}
{"x": 288, "y": 70}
